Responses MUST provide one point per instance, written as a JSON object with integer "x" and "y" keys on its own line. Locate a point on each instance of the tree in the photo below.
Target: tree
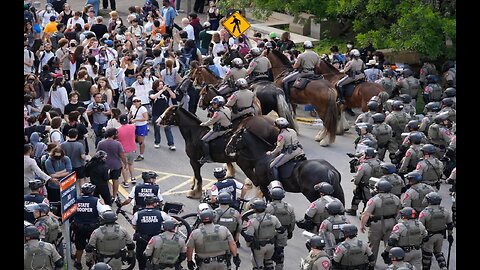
{"x": 417, "y": 25}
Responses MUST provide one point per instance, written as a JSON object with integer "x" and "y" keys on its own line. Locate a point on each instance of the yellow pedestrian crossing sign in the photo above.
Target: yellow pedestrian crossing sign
{"x": 236, "y": 24}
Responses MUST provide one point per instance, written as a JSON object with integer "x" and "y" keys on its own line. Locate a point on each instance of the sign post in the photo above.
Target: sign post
{"x": 236, "y": 24}
{"x": 68, "y": 195}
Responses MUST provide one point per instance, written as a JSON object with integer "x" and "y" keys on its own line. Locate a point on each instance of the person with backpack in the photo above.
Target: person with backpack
{"x": 286, "y": 215}
{"x": 57, "y": 165}
{"x": 97, "y": 170}
{"x": 243, "y": 47}
{"x": 432, "y": 91}
{"x": 31, "y": 170}
{"x": 226, "y": 215}
{"x": 76, "y": 152}
{"x": 439, "y": 133}
{"x": 330, "y": 227}
{"x": 55, "y": 135}
{"x": 170, "y": 76}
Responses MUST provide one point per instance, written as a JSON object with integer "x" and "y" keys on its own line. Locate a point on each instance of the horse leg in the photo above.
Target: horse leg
{"x": 197, "y": 192}
{"x": 342, "y": 124}
{"x": 230, "y": 170}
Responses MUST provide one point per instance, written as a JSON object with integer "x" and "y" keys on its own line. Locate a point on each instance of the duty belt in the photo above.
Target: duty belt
{"x": 264, "y": 243}
{"x": 244, "y": 108}
{"x": 436, "y": 232}
{"x": 375, "y": 219}
{"x": 259, "y": 73}
{"x": 219, "y": 258}
{"x": 309, "y": 69}
{"x": 409, "y": 248}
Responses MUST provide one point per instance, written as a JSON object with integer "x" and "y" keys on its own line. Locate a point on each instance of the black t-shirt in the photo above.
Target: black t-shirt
{"x": 160, "y": 104}
{"x": 36, "y": 128}
{"x": 71, "y": 107}
{"x": 99, "y": 30}
{"x": 82, "y": 130}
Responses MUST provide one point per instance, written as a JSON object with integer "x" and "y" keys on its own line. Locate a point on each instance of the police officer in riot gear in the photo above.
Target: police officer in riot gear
{"x": 413, "y": 197}
{"x": 353, "y": 253}
{"x": 366, "y": 117}
{"x": 330, "y": 229}
{"x": 317, "y": 258}
{"x": 364, "y": 131}
{"x": 166, "y": 250}
{"x": 109, "y": 242}
{"x": 225, "y": 184}
{"x": 370, "y": 166}
{"x": 397, "y": 119}
{"x": 408, "y": 107}
{"x": 34, "y": 197}
{"x": 409, "y": 85}
{"x": 431, "y": 111}
{"x": 439, "y": 133}
{"x": 260, "y": 233}
{"x": 147, "y": 189}
{"x": 430, "y": 167}
{"x": 451, "y": 93}
{"x": 147, "y": 223}
{"x": 396, "y": 256}
{"x": 317, "y": 211}
{"x": 288, "y": 147}
{"x": 228, "y": 216}
{"x": 390, "y": 175}
{"x": 437, "y": 221}
{"x": 241, "y": 101}
{"x": 433, "y": 90}
{"x": 379, "y": 215}
{"x": 48, "y": 226}
{"x": 39, "y": 254}
{"x": 447, "y": 107}
{"x": 286, "y": 215}
{"x": 213, "y": 245}
{"x": 86, "y": 219}
{"x": 408, "y": 234}
{"x": 413, "y": 154}
{"x": 383, "y": 134}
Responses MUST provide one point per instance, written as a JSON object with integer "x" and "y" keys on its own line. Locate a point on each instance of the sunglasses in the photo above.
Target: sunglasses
{"x": 136, "y": 101}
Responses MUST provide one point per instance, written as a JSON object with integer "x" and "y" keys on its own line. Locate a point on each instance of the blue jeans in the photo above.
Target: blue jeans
{"x": 97, "y": 128}
{"x": 156, "y": 132}
{"x": 96, "y": 5}
{"x": 177, "y": 4}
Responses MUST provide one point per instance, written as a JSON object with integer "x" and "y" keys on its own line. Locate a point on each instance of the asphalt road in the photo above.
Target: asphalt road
{"x": 175, "y": 172}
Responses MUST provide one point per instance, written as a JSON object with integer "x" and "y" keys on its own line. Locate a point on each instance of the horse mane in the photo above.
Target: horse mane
{"x": 285, "y": 61}
{"x": 211, "y": 72}
{"x": 189, "y": 114}
{"x": 330, "y": 66}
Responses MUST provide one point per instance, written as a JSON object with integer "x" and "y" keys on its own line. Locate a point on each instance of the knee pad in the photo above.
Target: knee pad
{"x": 440, "y": 259}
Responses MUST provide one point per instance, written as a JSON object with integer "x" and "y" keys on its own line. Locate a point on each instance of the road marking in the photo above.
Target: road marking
{"x": 169, "y": 192}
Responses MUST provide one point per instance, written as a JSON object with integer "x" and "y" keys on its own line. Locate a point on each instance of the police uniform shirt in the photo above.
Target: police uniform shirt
{"x": 196, "y": 237}
{"x": 135, "y": 220}
{"x": 89, "y": 209}
{"x": 341, "y": 250}
{"x": 143, "y": 193}
{"x": 227, "y": 185}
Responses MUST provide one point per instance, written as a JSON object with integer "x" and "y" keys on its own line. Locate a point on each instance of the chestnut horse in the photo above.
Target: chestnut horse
{"x": 362, "y": 92}
{"x": 320, "y": 93}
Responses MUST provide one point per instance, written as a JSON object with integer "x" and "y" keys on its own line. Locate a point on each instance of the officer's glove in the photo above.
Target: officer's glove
{"x": 437, "y": 185}
{"x": 386, "y": 258}
{"x": 426, "y": 238}
{"x": 289, "y": 235}
{"x": 350, "y": 155}
{"x": 89, "y": 264}
{"x": 191, "y": 265}
{"x": 237, "y": 261}
{"x": 450, "y": 239}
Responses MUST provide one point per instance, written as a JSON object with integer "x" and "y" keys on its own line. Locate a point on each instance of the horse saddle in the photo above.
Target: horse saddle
{"x": 286, "y": 170}
{"x": 225, "y": 90}
{"x": 349, "y": 87}
{"x": 302, "y": 81}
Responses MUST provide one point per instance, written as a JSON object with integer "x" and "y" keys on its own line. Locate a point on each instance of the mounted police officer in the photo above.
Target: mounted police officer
{"x": 430, "y": 167}
{"x": 260, "y": 233}
{"x": 380, "y": 215}
{"x": 39, "y": 254}
{"x": 451, "y": 92}
{"x": 241, "y": 101}
{"x": 109, "y": 242}
{"x": 396, "y": 256}
{"x": 408, "y": 107}
{"x": 237, "y": 71}
{"x": 369, "y": 167}
{"x": 433, "y": 90}
{"x": 390, "y": 175}
{"x": 147, "y": 189}
{"x": 225, "y": 184}
{"x": 48, "y": 226}
{"x": 222, "y": 123}
{"x": 439, "y": 133}
{"x": 409, "y": 85}
{"x": 259, "y": 66}
{"x": 331, "y": 227}
{"x": 86, "y": 219}
{"x": 414, "y": 195}
{"x": 397, "y": 119}
{"x": 166, "y": 250}
{"x": 305, "y": 65}
{"x": 147, "y": 223}
{"x": 413, "y": 155}
{"x": 447, "y": 107}
{"x": 288, "y": 147}
{"x": 437, "y": 221}
{"x": 317, "y": 211}
{"x": 213, "y": 245}
{"x": 34, "y": 197}
{"x": 354, "y": 69}
{"x": 383, "y": 134}
{"x": 408, "y": 234}
{"x": 353, "y": 253}
{"x": 228, "y": 216}
{"x": 366, "y": 117}
{"x": 317, "y": 258}
{"x": 286, "y": 215}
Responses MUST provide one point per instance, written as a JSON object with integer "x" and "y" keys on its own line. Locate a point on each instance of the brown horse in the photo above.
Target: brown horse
{"x": 362, "y": 92}
{"x": 320, "y": 93}
{"x": 202, "y": 75}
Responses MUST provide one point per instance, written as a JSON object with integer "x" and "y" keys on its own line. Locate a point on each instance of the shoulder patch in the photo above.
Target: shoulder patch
{"x": 370, "y": 202}
{"x": 421, "y": 215}
{"x": 312, "y": 205}
{"x": 326, "y": 264}
{"x": 405, "y": 196}
{"x": 337, "y": 250}
{"x": 213, "y": 188}
{"x": 41, "y": 228}
{"x": 151, "y": 241}
{"x": 360, "y": 167}
{"x": 279, "y": 138}
{"x": 322, "y": 226}
{"x": 418, "y": 166}
{"x": 396, "y": 228}
{"x": 215, "y": 115}
{"x": 408, "y": 154}
{"x": 251, "y": 64}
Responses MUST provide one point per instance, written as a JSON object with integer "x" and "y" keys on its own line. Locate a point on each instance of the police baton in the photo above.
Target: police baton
{"x": 449, "y": 251}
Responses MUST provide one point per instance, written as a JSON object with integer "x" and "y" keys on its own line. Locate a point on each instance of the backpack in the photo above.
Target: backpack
{"x": 282, "y": 214}
{"x": 50, "y": 136}
{"x": 434, "y": 132}
{"x": 188, "y": 56}
{"x": 243, "y": 49}
{"x": 197, "y": 28}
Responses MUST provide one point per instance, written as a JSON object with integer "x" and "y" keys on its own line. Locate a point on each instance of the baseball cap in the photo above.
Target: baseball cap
{"x": 272, "y": 35}
{"x": 206, "y": 24}
{"x": 123, "y": 119}
{"x": 136, "y": 98}
{"x": 109, "y": 43}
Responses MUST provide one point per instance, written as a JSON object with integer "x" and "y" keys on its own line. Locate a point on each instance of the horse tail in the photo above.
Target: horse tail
{"x": 284, "y": 110}
{"x": 331, "y": 117}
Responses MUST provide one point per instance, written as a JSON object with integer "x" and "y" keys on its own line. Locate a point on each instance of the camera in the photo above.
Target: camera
{"x": 98, "y": 107}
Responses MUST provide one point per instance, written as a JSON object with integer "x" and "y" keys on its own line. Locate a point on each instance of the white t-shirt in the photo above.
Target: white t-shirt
{"x": 119, "y": 75}
{"x": 44, "y": 57}
{"x": 221, "y": 69}
{"x": 141, "y": 91}
{"x": 71, "y": 22}
{"x": 46, "y": 16}
{"x": 59, "y": 98}
{"x": 27, "y": 55}
{"x": 190, "y": 32}
{"x": 217, "y": 47}
{"x": 139, "y": 115}
{"x": 90, "y": 70}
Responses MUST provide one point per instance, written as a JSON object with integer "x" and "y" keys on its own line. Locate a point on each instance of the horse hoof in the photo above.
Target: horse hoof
{"x": 324, "y": 143}
{"x": 318, "y": 138}
{"x": 194, "y": 194}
